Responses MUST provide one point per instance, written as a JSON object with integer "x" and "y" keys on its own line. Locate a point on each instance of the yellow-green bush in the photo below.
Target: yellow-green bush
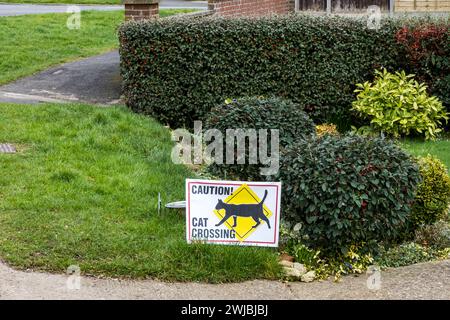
{"x": 326, "y": 128}
{"x": 398, "y": 105}
{"x": 433, "y": 194}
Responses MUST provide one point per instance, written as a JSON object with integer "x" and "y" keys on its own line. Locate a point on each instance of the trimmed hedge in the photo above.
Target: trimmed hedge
{"x": 178, "y": 69}
{"x": 427, "y": 47}
{"x": 257, "y": 113}
{"x": 347, "y": 190}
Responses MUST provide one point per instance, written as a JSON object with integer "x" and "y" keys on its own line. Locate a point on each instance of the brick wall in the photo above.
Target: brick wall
{"x": 141, "y": 9}
{"x": 250, "y": 7}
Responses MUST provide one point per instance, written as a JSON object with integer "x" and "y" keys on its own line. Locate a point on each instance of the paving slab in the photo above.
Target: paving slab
{"x": 9, "y": 9}
{"x": 421, "y": 281}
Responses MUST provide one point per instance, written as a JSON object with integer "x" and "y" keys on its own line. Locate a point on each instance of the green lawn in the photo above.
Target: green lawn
{"x": 35, "y": 42}
{"x": 83, "y": 191}
{"x": 439, "y": 148}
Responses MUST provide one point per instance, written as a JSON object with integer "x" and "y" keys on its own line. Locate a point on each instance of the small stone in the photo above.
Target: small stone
{"x": 287, "y": 264}
{"x": 309, "y": 276}
{"x": 285, "y": 256}
{"x": 300, "y": 267}
{"x": 291, "y": 272}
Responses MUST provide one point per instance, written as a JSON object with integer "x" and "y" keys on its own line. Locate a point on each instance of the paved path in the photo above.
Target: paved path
{"x": 420, "y": 281}
{"x": 92, "y": 80}
{"x": 21, "y": 9}
{"x": 173, "y": 4}
{"x": 8, "y": 9}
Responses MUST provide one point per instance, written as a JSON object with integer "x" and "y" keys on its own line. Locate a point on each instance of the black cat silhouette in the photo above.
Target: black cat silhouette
{"x": 254, "y": 211}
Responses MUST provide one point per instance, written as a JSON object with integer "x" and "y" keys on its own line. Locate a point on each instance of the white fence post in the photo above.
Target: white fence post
{"x": 328, "y": 6}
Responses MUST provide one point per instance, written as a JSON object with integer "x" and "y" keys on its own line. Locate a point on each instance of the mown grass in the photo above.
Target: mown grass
{"x": 32, "y": 43}
{"x": 83, "y": 191}
{"x": 439, "y": 148}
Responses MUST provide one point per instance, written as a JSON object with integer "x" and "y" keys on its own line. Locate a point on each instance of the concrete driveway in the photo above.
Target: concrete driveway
{"x": 8, "y": 9}
{"x": 93, "y": 80}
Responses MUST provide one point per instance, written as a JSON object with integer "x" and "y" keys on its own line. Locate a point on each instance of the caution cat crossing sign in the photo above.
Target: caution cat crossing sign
{"x": 233, "y": 212}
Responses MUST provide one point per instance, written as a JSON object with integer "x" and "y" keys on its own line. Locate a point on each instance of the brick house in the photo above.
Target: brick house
{"x": 147, "y": 9}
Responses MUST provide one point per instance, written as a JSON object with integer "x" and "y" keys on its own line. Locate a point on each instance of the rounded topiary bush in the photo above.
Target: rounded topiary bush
{"x": 257, "y": 113}
{"x": 347, "y": 190}
{"x": 433, "y": 194}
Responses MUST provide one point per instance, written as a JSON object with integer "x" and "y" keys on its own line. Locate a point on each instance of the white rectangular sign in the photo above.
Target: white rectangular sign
{"x": 233, "y": 212}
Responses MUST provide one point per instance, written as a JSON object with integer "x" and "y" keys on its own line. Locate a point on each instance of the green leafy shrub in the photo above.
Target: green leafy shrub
{"x": 433, "y": 194}
{"x": 436, "y": 236}
{"x": 306, "y": 256}
{"x": 178, "y": 69}
{"x": 398, "y": 105}
{"x": 347, "y": 190}
{"x": 257, "y": 113}
{"x": 407, "y": 254}
{"x": 288, "y": 237}
{"x": 354, "y": 261}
